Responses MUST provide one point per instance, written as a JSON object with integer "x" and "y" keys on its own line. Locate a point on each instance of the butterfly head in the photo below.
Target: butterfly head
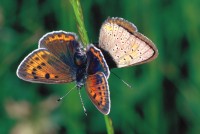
{"x": 80, "y": 57}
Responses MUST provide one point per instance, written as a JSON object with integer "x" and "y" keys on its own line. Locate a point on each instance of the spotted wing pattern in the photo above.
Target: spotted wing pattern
{"x": 41, "y": 66}
{"x": 120, "y": 39}
{"x": 98, "y": 91}
{"x": 96, "y": 83}
{"x": 53, "y": 61}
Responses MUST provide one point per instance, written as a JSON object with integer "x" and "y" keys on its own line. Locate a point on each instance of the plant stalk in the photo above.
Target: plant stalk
{"x": 84, "y": 38}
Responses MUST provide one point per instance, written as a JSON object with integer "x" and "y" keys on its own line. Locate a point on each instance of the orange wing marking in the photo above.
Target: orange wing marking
{"x": 59, "y": 37}
{"x": 97, "y": 55}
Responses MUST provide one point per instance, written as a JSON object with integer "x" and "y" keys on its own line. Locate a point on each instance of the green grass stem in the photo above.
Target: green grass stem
{"x": 80, "y": 21}
{"x": 109, "y": 126}
{"x": 84, "y": 38}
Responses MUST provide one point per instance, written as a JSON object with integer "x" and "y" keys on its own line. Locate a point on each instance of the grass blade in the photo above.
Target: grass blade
{"x": 84, "y": 37}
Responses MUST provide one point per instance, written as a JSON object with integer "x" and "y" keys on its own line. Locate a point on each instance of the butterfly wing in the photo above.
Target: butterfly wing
{"x": 53, "y": 62}
{"x": 96, "y": 61}
{"x": 61, "y": 44}
{"x": 123, "y": 45}
{"x": 96, "y": 82}
{"x": 43, "y": 67}
{"x": 98, "y": 91}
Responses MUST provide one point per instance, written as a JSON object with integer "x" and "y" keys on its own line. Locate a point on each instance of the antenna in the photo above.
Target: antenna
{"x": 128, "y": 85}
{"x": 85, "y": 111}
{"x": 66, "y": 94}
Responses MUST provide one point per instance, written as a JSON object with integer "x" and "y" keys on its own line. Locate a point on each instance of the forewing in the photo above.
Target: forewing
{"x": 62, "y": 44}
{"x": 43, "y": 67}
{"x": 125, "y": 46}
{"x": 98, "y": 91}
{"x": 96, "y": 62}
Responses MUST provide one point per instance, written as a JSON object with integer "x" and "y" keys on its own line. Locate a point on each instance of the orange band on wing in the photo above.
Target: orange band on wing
{"x": 97, "y": 54}
{"x": 59, "y": 37}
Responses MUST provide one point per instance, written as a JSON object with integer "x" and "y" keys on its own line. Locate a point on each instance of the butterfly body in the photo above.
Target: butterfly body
{"x": 80, "y": 60}
{"x": 60, "y": 58}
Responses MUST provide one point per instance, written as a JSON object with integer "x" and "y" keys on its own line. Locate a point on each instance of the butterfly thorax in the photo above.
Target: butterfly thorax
{"x": 80, "y": 60}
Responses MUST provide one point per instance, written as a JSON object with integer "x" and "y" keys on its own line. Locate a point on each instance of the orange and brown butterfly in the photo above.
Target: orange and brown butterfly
{"x": 60, "y": 58}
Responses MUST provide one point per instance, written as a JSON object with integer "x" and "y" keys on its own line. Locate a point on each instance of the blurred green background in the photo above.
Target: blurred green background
{"x": 165, "y": 98}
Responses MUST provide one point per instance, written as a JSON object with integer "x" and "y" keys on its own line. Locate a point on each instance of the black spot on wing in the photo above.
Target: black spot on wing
{"x": 33, "y": 73}
{"x": 39, "y": 67}
{"x": 43, "y": 64}
{"x": 47, "y": 76}
{"x": 36, "y": 58}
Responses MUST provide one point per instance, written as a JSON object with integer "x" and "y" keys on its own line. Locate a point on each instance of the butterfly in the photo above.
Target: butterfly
{"x": 61, "y": 58}
{"x": 123, "y": 45}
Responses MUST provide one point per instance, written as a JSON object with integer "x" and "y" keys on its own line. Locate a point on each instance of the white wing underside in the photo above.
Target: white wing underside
{"x": 125, "y": 48}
